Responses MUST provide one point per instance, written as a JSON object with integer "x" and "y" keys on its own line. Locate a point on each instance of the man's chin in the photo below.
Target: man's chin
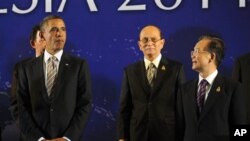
{"x": 194, "y": 68}
{"x": 59, "y": 47}
{"x": 150, "y": 53}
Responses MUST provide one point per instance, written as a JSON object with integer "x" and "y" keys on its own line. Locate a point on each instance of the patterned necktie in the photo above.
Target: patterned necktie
{"x": 51, "y": 74}
{"x": 151, "y": 73}
{"x": 201, "y": 94}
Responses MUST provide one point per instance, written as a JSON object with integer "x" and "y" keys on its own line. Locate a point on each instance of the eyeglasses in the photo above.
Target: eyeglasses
{"x": 194, "y": 52}
{"x": 146, "y": 40}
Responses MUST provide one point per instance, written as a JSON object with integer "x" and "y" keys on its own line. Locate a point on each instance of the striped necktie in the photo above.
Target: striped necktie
{"x": 201, "y": 94}
{"x": 151, "y": 73}
{"x": 51, "y": 74}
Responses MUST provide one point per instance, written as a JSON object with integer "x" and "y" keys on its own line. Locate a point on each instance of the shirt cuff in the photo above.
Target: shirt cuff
{"x": 66, "y": 138}
{"x": 40, "y": 139}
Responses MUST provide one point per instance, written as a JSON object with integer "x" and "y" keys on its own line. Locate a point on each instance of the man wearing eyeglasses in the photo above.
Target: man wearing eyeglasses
{"x": 209, "y": 105}
{"x": 147, "y": 104}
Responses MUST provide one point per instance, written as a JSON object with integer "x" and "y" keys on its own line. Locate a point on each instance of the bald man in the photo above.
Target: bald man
{"x": 148, "y": 95}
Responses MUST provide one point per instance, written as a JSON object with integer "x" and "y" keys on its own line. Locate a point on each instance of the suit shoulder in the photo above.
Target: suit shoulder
{"x": 24, "y": 62}
{"x": 173, "y": 62}
{"x": 230, "y": 82}
{"x": 244, "y": 57}
{"x": 74, "y": 58}
{"x": 189, "y": 83}
{"x": 133, "y": 65}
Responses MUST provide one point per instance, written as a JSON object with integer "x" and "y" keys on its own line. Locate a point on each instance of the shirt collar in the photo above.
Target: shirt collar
{"x": 210, "y": 78}
{"x": 156, "y": 61}
{"x": 58, "y": 55}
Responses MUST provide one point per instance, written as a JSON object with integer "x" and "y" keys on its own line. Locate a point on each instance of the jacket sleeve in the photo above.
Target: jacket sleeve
{"x": 125, "y": 109}
{"x": 181, "y": 76}
{"x": 180, "y": 120}
{"x": 21, "y": 106}
{"x": 236, "y": 75}
{"x": 237, "y": 111}
{"x": 13, "y": 96}
{"x": 181, "y": 79}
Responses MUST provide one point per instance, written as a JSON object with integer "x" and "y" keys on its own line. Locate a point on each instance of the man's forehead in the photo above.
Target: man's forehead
{"x": 56, "y": 22}
{"x": 150, "y": 33}
{"x": 202, "y": 44}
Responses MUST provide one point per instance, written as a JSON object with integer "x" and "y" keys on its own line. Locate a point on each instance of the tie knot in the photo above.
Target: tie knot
{"x": 52, "y": 58}
{"x": 203, "y": 82}
{"x": 151, "y": 65}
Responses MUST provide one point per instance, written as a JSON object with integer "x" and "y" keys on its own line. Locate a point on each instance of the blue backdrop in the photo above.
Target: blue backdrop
{"x": 107, "y": 38}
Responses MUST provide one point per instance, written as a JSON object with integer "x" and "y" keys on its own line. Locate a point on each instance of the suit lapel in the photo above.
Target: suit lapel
{"x": 162, "y": 74}
{"x": 39, "y": 70}
{"x": 215, "y": 91}
{"x": 140, "y": 73}
{"x": 191, "y": 96}
{"x": 247, "y": 63}
{"x": 62, "y": 73}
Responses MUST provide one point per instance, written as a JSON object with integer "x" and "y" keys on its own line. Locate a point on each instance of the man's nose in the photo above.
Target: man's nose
{"x": 150, "y": 42}
{"x": 59, "y": 33}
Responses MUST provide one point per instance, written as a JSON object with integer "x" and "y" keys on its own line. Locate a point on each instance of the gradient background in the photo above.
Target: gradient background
{"x": 107, "y": 39}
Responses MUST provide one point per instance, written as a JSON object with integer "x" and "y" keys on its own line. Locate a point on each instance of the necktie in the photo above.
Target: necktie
{"x": 201, "y": 94}
{"x": 151, "y": 73}
{"x": 51, "y": 74}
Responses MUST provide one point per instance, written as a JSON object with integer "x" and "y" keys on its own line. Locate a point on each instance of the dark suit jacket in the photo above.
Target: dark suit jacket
{"x": 224, "y": 107}
{"x": 66, "y": 114}
{"x": 13, "y": 97}
{"x": 241, "y": 73}
{"x": 149, "y": 114}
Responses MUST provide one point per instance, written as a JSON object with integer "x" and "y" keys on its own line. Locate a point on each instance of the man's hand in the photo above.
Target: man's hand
{"x": 57, "y": 139}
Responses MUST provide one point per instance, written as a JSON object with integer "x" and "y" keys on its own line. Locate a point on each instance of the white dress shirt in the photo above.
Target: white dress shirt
{"x": 46, "y": 57}
{"x": 156, "y": 61}
{"x": 210, "y": 80}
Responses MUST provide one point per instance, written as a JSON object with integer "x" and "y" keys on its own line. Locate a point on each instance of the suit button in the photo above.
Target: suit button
{"x": 51, "y": 110}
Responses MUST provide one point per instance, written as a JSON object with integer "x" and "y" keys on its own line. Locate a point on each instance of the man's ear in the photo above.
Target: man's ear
{"x": 32, "y": 44}
{"x": 163, "y": 41}
{"x": 213, "y": 57}
{"x": 41, "y": 34}
{"x": 139, "y": 44}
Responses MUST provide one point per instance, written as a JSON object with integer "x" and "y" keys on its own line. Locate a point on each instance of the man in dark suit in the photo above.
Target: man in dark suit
{"x": 147, "y": 104}
{"x": 38, "y": 43}
{"x": 209, "y": 105}
{"x": 53, "y": 90}
{"x": 241, "y": 71}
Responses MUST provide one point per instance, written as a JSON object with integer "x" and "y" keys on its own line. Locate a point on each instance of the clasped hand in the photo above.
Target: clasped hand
{"x": 57, "y": 139}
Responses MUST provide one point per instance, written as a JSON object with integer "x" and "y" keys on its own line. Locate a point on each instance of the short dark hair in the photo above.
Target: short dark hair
{"x": 33, "y": 32}
{"x": 216, "y": 45}
{"x": 47, "y": 18}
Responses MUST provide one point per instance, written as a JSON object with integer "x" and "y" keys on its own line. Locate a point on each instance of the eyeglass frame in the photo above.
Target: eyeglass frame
{"x": 154, "y": 40}
{"x": 196, "y": 51}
